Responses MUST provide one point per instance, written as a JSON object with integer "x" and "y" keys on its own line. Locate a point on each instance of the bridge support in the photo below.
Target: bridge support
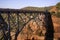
{"x": 49, "y": 35}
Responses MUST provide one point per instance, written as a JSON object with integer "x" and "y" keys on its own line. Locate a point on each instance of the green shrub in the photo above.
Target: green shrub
{"x": 58, "y": 14}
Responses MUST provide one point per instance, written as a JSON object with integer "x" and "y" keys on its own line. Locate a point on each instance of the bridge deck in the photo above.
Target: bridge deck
{"x": 19, "y": 11}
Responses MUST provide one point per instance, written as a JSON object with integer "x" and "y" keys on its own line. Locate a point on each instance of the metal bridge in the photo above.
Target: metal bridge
{"x": 14, "y": 20}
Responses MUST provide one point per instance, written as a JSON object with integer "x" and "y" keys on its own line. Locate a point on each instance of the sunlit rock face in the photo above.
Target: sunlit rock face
{"x": 35, "y": 28}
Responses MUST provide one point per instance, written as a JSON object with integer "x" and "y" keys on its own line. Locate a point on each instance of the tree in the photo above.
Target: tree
{"x": 58, "y": 6}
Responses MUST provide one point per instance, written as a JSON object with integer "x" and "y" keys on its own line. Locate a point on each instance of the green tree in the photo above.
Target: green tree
{"x": 58, "y": 6}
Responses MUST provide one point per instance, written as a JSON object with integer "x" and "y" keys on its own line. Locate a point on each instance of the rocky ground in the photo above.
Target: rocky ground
{"x": 56, "y": 23}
